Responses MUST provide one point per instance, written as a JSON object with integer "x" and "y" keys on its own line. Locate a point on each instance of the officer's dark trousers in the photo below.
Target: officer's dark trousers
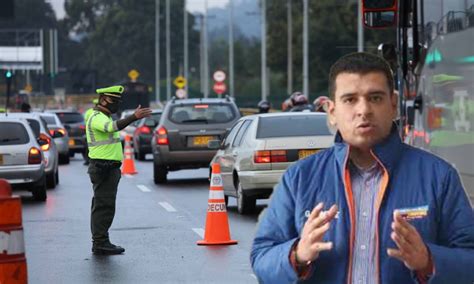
{"x": 105, "y": 178}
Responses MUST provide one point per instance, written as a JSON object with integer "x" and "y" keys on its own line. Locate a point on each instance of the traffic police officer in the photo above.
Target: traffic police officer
{"x": 87, "y": 114}
{"x": 105, "y": 153}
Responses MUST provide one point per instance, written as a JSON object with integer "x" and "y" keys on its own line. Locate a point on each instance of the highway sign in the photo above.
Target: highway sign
{"x": 219, "y": 76}
{"x": 133, "y": 75}
{"x": 180, "y": 82}
{"x": 219, "y": 88}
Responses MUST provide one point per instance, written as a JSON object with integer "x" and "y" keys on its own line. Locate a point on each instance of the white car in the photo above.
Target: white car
{"x": 259, "y": 148}
{"x": 59, "y": 134}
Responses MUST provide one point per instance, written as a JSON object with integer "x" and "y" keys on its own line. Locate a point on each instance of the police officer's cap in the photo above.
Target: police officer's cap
{"x": 114, "y": 91}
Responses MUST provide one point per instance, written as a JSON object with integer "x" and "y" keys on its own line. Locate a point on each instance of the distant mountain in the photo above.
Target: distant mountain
{"x": 246, "y": 20}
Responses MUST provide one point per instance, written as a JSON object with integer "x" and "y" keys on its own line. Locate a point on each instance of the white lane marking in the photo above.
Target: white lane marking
{"x": 199, "y": 231}
{"x": 143, "y": 188}
{"x": 253, "y": 275}
{"x": 128, "y": 176}
{"x": 167, "y": 206}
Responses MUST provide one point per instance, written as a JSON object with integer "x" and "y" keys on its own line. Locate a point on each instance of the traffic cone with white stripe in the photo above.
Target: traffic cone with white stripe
{"x": 12, "y": 244}
{"x": 128, "y": 166}
{"x": 217, "y": 224}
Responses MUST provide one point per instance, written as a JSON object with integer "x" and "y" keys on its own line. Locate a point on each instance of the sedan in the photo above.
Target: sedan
{"x": 21, "y": 158}
{"x": 143, "y": 134}
{"x": 259, "y": 148}
{"x": 59, "y": 134}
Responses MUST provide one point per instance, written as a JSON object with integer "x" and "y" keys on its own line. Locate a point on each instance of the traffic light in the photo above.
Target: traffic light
{"x": 8, "y": 74}
{"x": 9, "y": 78}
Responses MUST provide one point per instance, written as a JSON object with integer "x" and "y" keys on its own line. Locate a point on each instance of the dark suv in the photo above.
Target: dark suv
{"x": 186, "y": 126}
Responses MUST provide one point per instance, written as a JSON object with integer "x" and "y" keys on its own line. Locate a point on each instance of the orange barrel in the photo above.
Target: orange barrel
{"x": 12, "y": 244}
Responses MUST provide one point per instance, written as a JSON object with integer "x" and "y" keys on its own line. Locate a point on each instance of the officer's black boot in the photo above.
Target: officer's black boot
{"x": 107, "y": 248}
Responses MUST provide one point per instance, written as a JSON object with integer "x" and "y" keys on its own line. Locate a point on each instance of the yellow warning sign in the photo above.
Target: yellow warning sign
{"x": 180, "y": 82}
{"x": 28, "y": 88}
{"x": 133, "y": 75}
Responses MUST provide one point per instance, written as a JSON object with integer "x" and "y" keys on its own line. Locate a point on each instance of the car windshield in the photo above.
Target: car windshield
{"x": 202, "y": 113}
{"x": 49, "y": 119}
{"x": 70, "y": 117}
{"x": 290, "y": 126}
{"x": 13, "y": 134}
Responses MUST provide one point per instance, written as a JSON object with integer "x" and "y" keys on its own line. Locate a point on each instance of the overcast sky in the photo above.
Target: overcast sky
{"x": 193, "y": 5}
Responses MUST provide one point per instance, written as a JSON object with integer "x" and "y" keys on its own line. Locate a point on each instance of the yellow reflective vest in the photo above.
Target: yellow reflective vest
{"x": 103, "y": 139}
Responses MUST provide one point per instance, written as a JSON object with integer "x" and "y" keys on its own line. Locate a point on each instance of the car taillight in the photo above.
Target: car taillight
{"x": 63, "y": 131}
{"x": 275, "y": 156}
{"x": 34, "y": 156}
{"x": 144, "y": 130}
{"x": 51, "y": 132}
{"x": 44, "y": 141}
{"x": 83, "y": 127}
{"x": 162, "y": 136}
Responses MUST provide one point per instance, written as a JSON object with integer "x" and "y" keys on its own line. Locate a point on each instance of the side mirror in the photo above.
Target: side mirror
{"x": 214, "y": 144}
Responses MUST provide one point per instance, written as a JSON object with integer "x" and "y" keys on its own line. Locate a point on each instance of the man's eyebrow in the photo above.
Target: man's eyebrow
{"x": 346, "y": 95}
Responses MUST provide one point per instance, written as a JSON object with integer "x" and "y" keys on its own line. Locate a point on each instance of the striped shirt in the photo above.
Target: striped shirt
{"x": 365, "y": 186}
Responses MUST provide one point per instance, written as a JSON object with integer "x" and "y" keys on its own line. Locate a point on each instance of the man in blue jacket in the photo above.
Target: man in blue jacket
{"x": 370, "y": 209}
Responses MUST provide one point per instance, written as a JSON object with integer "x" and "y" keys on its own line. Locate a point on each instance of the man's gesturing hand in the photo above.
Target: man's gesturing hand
{"x": 314, "y": 229}
{"x": 142, "y": 112}
{"x": 411, "y": 250}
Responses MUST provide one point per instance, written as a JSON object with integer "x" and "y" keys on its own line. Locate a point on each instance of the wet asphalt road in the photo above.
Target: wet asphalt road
{"x": 157, "y": 225}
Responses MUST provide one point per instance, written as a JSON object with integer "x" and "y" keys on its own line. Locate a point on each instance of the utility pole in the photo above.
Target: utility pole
{"x": 305, "y": 49}
{"x": 231, "y": 48}
{"x": 157, "y": 51}
{"x": 206, "y": 59}
{"x": 360, "y": 28}
{"x": 201, "y": 52}
{"x": 186, "y": 59}
{"x": 264, "y": 50}
{"x": 168, "y": 55}
{"x": 290, "y": 49}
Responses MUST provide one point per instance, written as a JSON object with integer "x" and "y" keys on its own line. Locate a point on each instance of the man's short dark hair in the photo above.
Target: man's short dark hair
{"x": 359, "y": 63}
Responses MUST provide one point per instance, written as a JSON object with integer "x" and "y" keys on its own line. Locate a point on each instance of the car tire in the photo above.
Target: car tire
{"x": 57, "y": 177}
{"x": 141, "y": 156}
{"x": 39, "y": 191}
{"x": 71, "y": 154}
{"x": 64, "y": 159}
{"x": 226, "y": 200}
{"x": 245, "y": 204}
{"x": 51, "y": 180}
{"x": 160, "y": 174}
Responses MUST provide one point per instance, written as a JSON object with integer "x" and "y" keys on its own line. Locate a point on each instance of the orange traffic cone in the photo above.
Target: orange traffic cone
{"x": 12, "y": 244}
{"x": 217, "y": 224}
{"x": 128, "y": 166}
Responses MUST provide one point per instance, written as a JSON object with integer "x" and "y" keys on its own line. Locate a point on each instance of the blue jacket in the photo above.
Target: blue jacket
{"x": 412, "y": 178}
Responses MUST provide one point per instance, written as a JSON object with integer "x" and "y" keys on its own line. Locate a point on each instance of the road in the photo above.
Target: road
{"x": 158, "y": 226}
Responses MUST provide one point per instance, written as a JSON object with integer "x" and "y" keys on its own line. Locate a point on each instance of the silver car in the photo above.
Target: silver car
{"x": 259, "y": 148}
{"x": 21, "y": 160}
{"x": 47, "y": 145}
{"x": 59, "y": 134}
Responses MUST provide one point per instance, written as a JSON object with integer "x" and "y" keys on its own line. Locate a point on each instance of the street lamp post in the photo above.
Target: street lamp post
{"x": 186, "y": 59}
{"x": 305, "y": 49}
{"x": 290, "y": 49}
{"x": 231, "y": 48}
{"x": 157, "y": 51}
{"x": 264, "y": 50}
{"x": 168, "y": 55}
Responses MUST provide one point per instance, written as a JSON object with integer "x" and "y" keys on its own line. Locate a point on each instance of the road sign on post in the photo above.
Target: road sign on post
{"x": 219, "y": 88}
{"x": 219, "y": 76}
{"x": 133, "y": 75}
{"x": 180, "y": 82}
{"x": 180, "y": 93}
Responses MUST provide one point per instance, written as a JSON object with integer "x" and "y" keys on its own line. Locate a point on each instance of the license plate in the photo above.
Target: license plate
{"x": 305, "y": 153}
{"x": 1, "y": 159}
{"x": 71, "y": 142}
{"x": 202, "y": 140}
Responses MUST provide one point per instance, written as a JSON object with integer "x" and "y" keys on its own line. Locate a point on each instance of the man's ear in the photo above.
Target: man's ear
{"x": 330, "y": 111}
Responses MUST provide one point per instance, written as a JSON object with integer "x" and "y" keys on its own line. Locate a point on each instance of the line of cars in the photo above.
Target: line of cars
{"x": 32, "y": 145}
{"x": 253, "y": 151}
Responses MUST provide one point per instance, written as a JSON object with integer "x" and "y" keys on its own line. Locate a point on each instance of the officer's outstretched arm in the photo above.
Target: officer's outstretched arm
{"x": 138, "y": 114}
